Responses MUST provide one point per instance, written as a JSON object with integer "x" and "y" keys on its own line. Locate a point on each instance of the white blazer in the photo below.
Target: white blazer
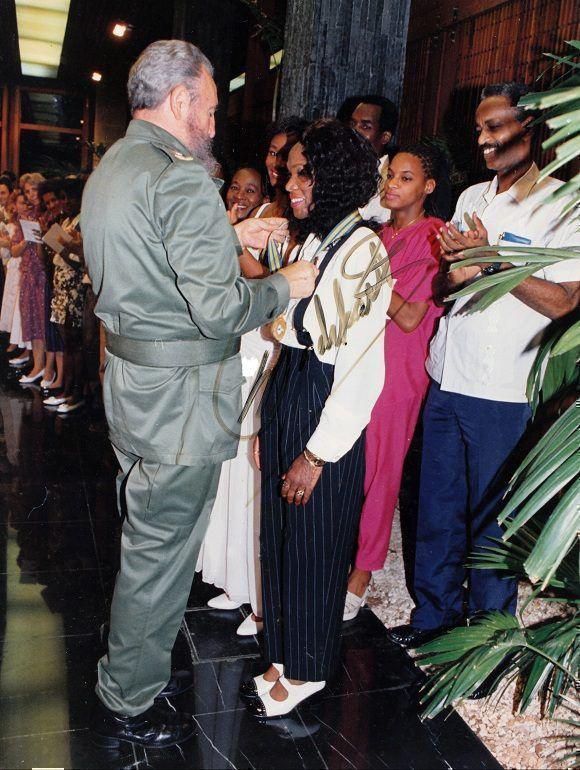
{"x": 346, "y": 319}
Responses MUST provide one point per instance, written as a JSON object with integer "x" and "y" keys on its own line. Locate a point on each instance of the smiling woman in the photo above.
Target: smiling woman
{"x": 315, "y": 409}
{"x": 245, "y": 193}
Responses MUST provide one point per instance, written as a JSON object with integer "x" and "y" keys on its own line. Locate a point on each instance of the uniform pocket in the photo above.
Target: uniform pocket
{"x": 220, "y": 404}
{"x": 222, "y": 377}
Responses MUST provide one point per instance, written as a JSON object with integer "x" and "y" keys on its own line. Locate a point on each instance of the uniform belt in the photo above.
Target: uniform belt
{"x": 169, "y": 353}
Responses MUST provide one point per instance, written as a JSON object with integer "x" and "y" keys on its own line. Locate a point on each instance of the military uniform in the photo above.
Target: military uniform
{"x": 162, "y": 258}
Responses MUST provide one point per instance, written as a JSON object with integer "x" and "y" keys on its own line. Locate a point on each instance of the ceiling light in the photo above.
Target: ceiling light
{"x": 97, "y": 77}
{"x": 119, "y": 29}
{"x": 41, "y": 30}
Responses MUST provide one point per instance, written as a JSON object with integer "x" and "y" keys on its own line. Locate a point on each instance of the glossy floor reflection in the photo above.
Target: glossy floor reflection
{"x": 59, "y": 539}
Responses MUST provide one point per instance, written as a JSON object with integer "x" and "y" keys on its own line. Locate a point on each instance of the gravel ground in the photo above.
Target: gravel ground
{"x": 516, "y": 741}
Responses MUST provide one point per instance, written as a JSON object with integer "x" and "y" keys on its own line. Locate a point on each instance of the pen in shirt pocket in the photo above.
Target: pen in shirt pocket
{"x": 511, "y": 239}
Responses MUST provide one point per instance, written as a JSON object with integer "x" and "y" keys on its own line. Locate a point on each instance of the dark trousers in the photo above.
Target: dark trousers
{"x": 466, "y": 443}
{"x": 305, "y": 550}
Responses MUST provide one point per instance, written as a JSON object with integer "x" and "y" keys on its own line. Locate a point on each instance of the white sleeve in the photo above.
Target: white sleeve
{"x": 566, "y": 236}
{"x": 359, "y": 370}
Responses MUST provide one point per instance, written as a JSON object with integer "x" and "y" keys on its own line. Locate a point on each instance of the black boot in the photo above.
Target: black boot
{"x": 154, "y": 729}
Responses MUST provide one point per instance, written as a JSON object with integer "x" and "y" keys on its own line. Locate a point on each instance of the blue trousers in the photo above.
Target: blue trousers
{"x": 466, "y": 443}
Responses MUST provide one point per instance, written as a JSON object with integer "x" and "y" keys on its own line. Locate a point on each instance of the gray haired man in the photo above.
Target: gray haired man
{"x": 163, "y": 260}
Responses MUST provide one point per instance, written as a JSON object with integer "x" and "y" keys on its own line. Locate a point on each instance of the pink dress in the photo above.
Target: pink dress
{"x": 414, "y": 256}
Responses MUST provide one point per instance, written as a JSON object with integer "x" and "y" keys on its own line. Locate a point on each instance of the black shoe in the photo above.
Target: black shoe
{"x": 248, "y": 688}
{"x": 180, "y": 681}
{"x": 409, "y": 636}
{"x": 154, "y": 729}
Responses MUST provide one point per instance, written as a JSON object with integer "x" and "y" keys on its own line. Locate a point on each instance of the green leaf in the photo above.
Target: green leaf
{"x": 489, "y": 291}
{"x": 558, "y": 536}
{"x": 557, "y": 97}
{"x": 565, "y": 425}
{"x": 539, "y": 254}
{"x": 555, "y": 482}
{"x": 569, "y": 340}
{"x": 567, "y": 119}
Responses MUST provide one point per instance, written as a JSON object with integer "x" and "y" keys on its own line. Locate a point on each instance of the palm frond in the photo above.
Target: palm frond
{"x": 496, "y": 646}
{"x": 569, "y": 340}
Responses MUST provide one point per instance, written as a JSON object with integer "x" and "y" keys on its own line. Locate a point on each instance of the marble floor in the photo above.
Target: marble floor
{"x": 59, "y": 537}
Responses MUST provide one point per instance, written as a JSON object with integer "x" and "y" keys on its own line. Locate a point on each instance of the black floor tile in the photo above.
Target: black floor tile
{"x": 47, "y": 683}
{"x": 216, "y": 686}
{"x": 52, "y": 603}
{"x": 70, "y": 749}
{"x": 59, "y": 553}
{"x": 32, "y": 502}
{"x": 213, "y": 634}
{"x": 380, "y": 729}
{"x": 201, "y": 593}
{"x": 47, "y": 546}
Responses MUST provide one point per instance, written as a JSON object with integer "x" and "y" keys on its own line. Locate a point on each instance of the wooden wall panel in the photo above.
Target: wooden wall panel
{"x": 447, "y": 68}
{"x": 4, "y": 117}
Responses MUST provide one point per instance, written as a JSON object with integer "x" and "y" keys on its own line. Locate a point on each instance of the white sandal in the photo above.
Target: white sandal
{"x": 250, "y": 627}
{"x": 223, "y": 602}
{"x": 257, "y": 685}
{"x": 353, "y": 603}
{"x": 265, "y": 707}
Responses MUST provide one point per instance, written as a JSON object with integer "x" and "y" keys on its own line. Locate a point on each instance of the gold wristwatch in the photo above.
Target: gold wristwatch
{"x": 313, "y": 460}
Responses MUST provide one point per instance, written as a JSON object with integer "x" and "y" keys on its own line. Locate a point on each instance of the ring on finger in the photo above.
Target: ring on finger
{"x": 285, "y": 484}
{"x": 299, "y": 493}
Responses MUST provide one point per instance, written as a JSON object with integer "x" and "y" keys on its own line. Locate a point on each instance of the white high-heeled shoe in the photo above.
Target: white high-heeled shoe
{"x": 20, "y": 361}
{"x": 257, "y": 685}
{"x": 353, "y": 603}
{"x": 44, "y": 384}
{"x": 265, "y": 707}
{"x": 27, "y": 379}
{"x": 250, "y": 627}
{"x": 223, "y": 602}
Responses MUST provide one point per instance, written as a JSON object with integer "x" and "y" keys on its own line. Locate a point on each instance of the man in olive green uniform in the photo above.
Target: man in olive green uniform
{"x": 163, "y": 260}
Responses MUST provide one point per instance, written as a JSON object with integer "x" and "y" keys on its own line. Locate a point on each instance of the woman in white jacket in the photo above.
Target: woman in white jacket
{"x": 315, "y": 409}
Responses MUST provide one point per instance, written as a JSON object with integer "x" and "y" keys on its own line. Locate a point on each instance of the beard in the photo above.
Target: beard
{"x": 201, "y": 146}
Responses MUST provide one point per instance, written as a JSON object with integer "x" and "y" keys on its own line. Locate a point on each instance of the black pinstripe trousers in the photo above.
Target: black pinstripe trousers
{"x": 305, "y": 550}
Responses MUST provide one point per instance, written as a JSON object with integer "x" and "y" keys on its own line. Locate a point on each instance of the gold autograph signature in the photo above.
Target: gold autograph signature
{"x": 365, "y": 294}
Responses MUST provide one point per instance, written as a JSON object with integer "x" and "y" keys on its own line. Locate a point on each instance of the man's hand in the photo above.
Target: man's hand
{"x": 301, "y": 276}
{"x": 255, "y": 232}
{"x": 453, "y": 242}
{"x": 299, "y": 481}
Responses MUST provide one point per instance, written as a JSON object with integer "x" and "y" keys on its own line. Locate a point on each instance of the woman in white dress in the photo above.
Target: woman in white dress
{"x": 229, "y": 556}
{"x": 10, "y": 312}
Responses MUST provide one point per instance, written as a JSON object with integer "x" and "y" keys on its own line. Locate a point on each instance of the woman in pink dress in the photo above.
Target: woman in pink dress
{"x": 32, "y": 282}
{"x": 417, "y": 184}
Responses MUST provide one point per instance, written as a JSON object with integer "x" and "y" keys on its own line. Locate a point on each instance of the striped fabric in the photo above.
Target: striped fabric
{"x": 305, "y": 550}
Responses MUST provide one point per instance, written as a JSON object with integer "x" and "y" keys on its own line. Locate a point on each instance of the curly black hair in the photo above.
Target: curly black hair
{"x": 435, "y": 164}
{"x": 344, "y": 170}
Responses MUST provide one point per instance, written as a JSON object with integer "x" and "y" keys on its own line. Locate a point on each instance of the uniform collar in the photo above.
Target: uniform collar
{"x": 158, "y": 135}
{"x": 520, "y": 190}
